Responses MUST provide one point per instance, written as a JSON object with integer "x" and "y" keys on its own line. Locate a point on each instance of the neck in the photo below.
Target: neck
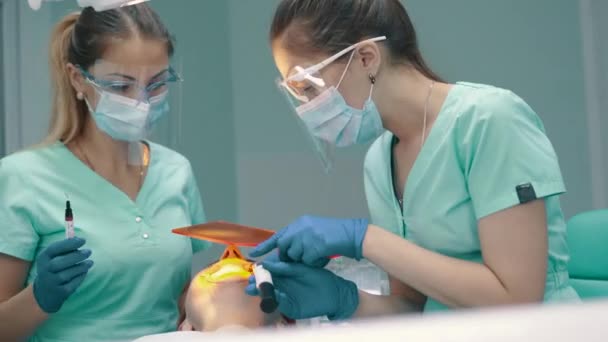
{"x": 402, "y": 97}
{"x": 105, "y": 153}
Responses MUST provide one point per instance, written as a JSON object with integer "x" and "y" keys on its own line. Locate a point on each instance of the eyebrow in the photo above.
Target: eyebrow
{"x": 160, "y": 73}
{"x": 131, "y": 78}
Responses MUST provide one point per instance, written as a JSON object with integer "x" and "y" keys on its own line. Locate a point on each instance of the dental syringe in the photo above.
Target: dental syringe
{"x": 69, "y": 220}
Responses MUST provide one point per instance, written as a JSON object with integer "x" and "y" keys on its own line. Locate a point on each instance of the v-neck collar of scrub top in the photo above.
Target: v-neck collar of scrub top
{"x": 80, "y": 171}
{"x": 422, "y": 161}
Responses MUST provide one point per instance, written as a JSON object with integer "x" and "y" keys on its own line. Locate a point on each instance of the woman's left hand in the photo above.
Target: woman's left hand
{"x": 312, "y": 240}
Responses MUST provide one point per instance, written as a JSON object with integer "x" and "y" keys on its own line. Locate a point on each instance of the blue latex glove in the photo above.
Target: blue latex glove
{"x": 61, "y": 267}
{"x": 305, "y": 292}
{"x": 312, "y": 240}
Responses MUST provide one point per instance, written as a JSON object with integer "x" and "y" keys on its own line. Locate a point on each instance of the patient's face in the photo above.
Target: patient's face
{"x": 217, "y": 298}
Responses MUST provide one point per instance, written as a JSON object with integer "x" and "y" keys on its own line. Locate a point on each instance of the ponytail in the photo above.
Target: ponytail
{"x": 68, "y": 114}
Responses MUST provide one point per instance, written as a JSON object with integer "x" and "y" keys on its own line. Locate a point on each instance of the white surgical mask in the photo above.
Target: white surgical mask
{"x": 332, "y": 120}
{"x": 326, "y": 116}
{"x": 126, "y": 119}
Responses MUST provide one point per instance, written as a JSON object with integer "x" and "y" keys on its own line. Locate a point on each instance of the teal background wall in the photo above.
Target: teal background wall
{"x": 25, "y": 75}
{"x": 595, "y": 30}
{"x": 254, "y": 164}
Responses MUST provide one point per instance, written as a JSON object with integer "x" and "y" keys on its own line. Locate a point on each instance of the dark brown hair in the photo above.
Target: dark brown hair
{"x": 329, "y": 26}
{"x": 81, "y": 39}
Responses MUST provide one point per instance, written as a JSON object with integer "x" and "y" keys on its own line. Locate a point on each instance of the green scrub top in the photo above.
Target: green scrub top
{"x": 486, "y": 150}
{"x": 140, "y": 266}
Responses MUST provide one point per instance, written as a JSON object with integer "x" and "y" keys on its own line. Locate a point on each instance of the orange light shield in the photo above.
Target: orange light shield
{"x": 226, "y": 233}
{"x": 232, "y": 264}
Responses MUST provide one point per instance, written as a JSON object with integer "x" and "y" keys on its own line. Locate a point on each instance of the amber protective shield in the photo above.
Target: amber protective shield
{"x": 227, "y": 233}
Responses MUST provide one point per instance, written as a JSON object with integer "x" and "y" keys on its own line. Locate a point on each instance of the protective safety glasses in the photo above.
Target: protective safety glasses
{"x": 140, "y": 85}
{"x": 303, "y": 84}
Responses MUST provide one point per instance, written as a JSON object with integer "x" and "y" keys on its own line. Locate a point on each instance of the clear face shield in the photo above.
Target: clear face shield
{"x": 318, "y": 105}
{"x": 129, "y": 101}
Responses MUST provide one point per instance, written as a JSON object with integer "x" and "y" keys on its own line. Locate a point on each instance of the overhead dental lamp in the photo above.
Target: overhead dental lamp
{"x": 98, "y": 5}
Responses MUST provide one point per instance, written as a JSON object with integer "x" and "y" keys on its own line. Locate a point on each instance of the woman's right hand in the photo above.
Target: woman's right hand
{"x": 61, "y": 267}
{"x": 305, "y": 292}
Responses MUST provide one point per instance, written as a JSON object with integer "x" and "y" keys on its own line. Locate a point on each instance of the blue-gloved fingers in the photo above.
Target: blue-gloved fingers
{"x": 266, "y": 246}
{"x": 283, "y": 256}
{"x": 349, "y": 299}
{"x": 74, "y": 284}
{"x": 287, "y": 306}
{"x": 317, "y": 263}
{"x": 251, "y": 288}
{"x": 312, "y": 252}
{"x": 69, "y": 274}
{"x": 62, "y": 262}
{"x": 272, "y": 256}
{"x": 286, "y": 241}
{"x": 282, "y": 268}
{"x": 64, "y": 246}
{"x": 295, "y": 251}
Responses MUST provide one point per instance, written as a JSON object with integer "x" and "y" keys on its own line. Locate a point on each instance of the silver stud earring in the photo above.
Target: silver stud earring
{"x": 80, "y": 96}
{"x": 372, "y": 78}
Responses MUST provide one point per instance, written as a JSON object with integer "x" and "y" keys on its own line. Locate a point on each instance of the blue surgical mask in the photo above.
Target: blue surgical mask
{"x": 332, "y": 120}
{"x": 126, "y": 119}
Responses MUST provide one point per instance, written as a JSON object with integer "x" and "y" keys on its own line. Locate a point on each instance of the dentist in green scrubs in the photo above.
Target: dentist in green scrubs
{"x": 461, "y": 180}
{"x": 121, "y": 276}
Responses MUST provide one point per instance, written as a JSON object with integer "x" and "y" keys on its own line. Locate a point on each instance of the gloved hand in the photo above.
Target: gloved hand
{"x": 312, "y": 240}
{"x": 306, "y": 292}
{"x": 61, "y": 267}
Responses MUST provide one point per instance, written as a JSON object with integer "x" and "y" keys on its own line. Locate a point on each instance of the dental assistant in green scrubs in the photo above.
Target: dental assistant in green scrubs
{"x": 121, "y": 276}
{"x": 463, "y": 187}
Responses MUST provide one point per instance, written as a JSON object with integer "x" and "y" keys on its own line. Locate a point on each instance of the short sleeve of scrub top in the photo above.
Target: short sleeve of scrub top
{"x": 17, "y": 235}
{"x": 506, "y": 157}
{"x": 140, "y": 267}
{"x": 487, "y": 151}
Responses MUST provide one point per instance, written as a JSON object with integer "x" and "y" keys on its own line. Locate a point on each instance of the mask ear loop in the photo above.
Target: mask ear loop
{"x": 91, "y": 111}
{"x": 346, "y": 69}
{"x": 98, "y": 91}
{"x": 372, "y": 79}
